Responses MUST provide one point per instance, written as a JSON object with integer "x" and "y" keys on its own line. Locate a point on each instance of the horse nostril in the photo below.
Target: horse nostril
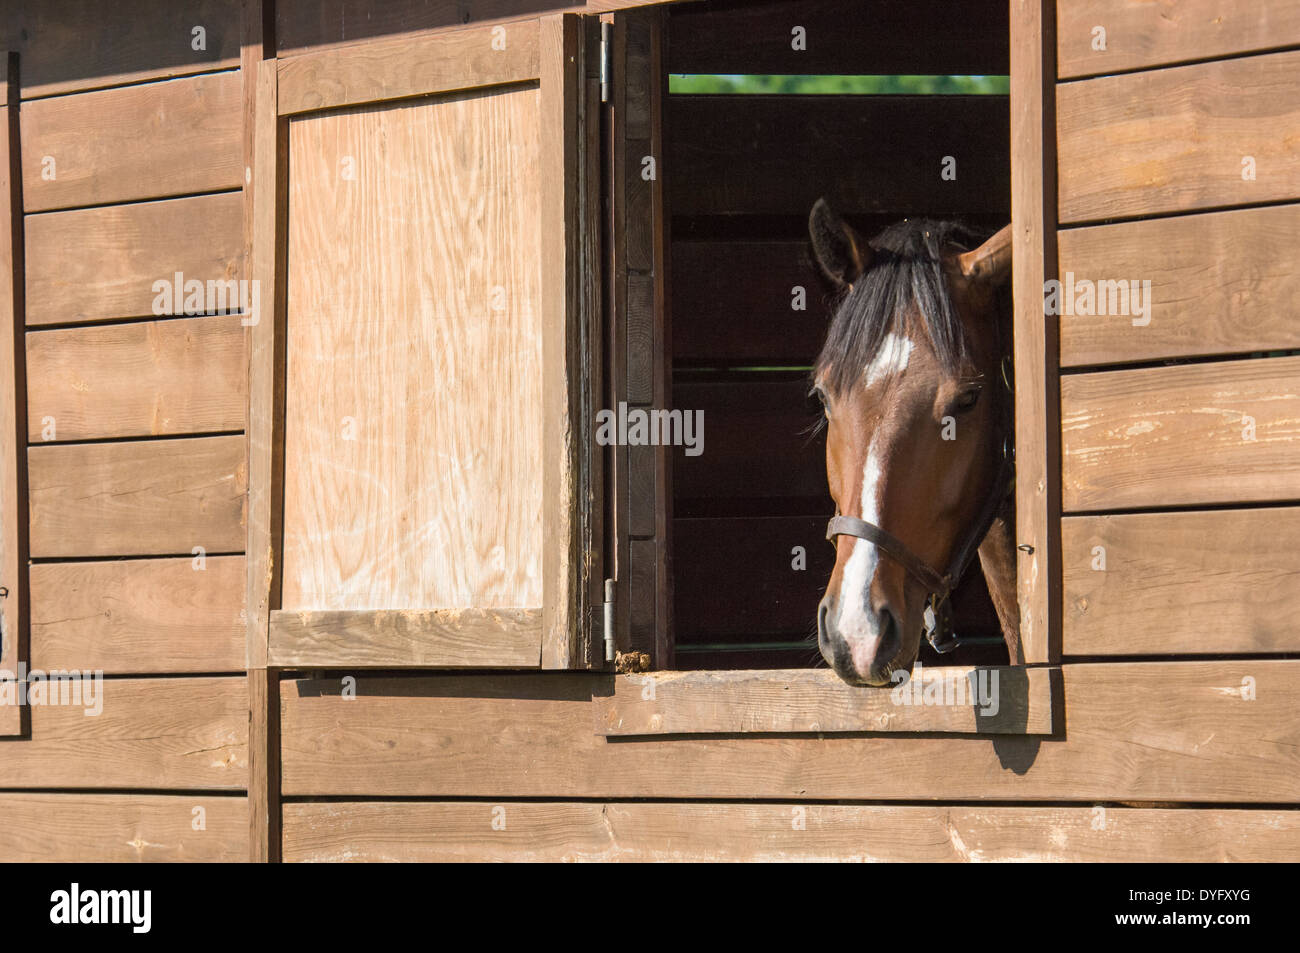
{"x": 891, "y": 636}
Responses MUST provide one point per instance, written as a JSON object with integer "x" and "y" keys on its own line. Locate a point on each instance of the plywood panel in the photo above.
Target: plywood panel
{"x": 154, "y": 378}
{"x": 1173, "y": 140}
{"x": 154, "y": 733}
{"x": 1182, "y": 583}
{"x": 414, "y": 418}
{"x": 136, "y": 142}
{"x": 123, "y": 828}
{"x": 352, "y": 831}
{"x": 1221, "y": 283}
{"x": 139, "y": 616}
{"x": 1197, "y": 434}
{"x": 776, "y": 155}
{"x": 138, "y": 498}
{"x": 1133, "y": 731}
{"x": 100, "y": 263}
{"x": 69, "y": 45}
{"x": 1141, "y": 34}
{"x": 989, "y": 701}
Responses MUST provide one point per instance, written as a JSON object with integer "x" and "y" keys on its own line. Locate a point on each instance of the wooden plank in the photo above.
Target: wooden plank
{"x": 1221, "y": 283}
{"x": 1174, "y": 140}
{"x": 139, "y": 498}
{"x": 737, "y": 303}
{"x": 776, "y": 155}
{"x": 1173, "y": 436}
{"x": 1151, "y": 731}
{"x": 1035, "y": 335}
{"x": 123, "y": 828}
{"x": 1140, "y": 35}
{"x": 102, "y": 263}
{"x": 153, "y": 733}
{"x": 136, "y": 142}
{"x": 787, "y": 464}
{"x": 439, "y": 832}
{"x": 1182, "y": 583}
{"x": 154, "y": 378}
{"x": 569, "y": 265}
{"x": 431, "y": 638}
{"x": 841, "y": 37}
{"x": 1015, "y": 701}
{"x": 139, "y": 616}
{"x": 264, "y": 837}
{"x": 13, "y": 392}
{"x": 72, "y": 45}
{"x": 386, "y": 508}
{"x": 409, "y": 66}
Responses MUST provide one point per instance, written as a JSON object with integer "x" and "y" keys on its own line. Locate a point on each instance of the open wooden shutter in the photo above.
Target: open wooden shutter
{"x": 424, "y": 492}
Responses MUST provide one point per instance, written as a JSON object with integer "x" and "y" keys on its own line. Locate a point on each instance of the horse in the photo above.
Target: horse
{"x": 915, "y": 384}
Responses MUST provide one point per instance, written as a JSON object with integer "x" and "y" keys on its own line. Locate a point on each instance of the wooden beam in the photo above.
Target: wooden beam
{"x": 137, "y": 497}
{"x": 433, "y": 638}
{"x": 110, "y": 146}
{"x": 101, "y": 263}
{"x": 1004, "y": 700}
{"x": 1221, "y": 731}
{"x": 1176, "y": 139}
{"x": 1140, "y": 35}
{"x": 405, "y": 66}
{"x": 554, "y": 832}
{"x": 1195, "y": 583}
{"x": 1190, "y": 435}
{"x": 123, "y": 828}
{"x": 1033, "y": 219}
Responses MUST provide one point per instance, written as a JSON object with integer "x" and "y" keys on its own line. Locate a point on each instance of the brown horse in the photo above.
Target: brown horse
{"x": 915, "y": 381}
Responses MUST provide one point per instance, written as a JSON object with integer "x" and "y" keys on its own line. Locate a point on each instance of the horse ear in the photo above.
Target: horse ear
{"x": 989, "y": 264}
{"x": 840, "y": 251}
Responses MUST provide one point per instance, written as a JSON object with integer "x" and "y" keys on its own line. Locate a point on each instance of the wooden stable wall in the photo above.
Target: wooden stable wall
{"x": 148, "y": 461}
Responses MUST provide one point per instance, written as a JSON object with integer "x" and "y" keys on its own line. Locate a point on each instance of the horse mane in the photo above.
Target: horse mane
{"x": 905, "y": 275}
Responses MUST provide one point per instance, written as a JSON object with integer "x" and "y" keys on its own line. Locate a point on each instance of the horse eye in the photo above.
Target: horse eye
{"x": 821, "y": 396}
{"x": 966, "y": 400}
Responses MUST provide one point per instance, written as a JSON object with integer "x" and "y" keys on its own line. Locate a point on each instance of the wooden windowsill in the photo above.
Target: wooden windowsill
{"x": 817, "y": 701}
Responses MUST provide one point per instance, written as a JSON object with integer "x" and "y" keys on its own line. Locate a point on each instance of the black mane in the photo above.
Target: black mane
{"x": 905, "y": 275}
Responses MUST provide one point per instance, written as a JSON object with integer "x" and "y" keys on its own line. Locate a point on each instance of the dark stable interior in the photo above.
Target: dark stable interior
{"x": 741, "y": 173}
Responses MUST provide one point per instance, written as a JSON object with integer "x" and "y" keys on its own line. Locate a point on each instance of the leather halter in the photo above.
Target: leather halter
{"x": 938, "y": 585}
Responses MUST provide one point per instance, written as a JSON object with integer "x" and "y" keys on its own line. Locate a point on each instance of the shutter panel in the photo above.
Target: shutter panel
{"x": 424, "y": 368}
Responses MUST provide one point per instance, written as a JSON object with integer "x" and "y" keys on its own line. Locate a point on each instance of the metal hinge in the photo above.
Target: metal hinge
{"x": 606, "y": 60}
{"x": 609, "y": 620}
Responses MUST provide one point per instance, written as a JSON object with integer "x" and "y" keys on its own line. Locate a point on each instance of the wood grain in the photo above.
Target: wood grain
{"x": 1221, "y": 283}
{"x": 1005, "y": 700}
{"x": 136, "y": 142}
{"x": 122, "y": 828}
{"x": 139, "y": 616}
{"x": 436, "y": 832}
{"x": 101, "y": 263}
{"x": 1140, "y": 35}
{"x": 1173, "y": 140}
{"x": 153, "y": 733}
{"x": 1171, "y": 436}
{"x": 139, "y": 498}
{"x": 1150, "y": 731}
{"x": 1182, "y": 583}
{"x": 1034, "y": 334}
{"x": 154, "y": 378}
{"x": 429, "y": 638}
{"x": 437, "y": 502}
{"x": 72, "y": 45}
{"x": 776, "y": 155}
{"x": 409, "y": 66}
